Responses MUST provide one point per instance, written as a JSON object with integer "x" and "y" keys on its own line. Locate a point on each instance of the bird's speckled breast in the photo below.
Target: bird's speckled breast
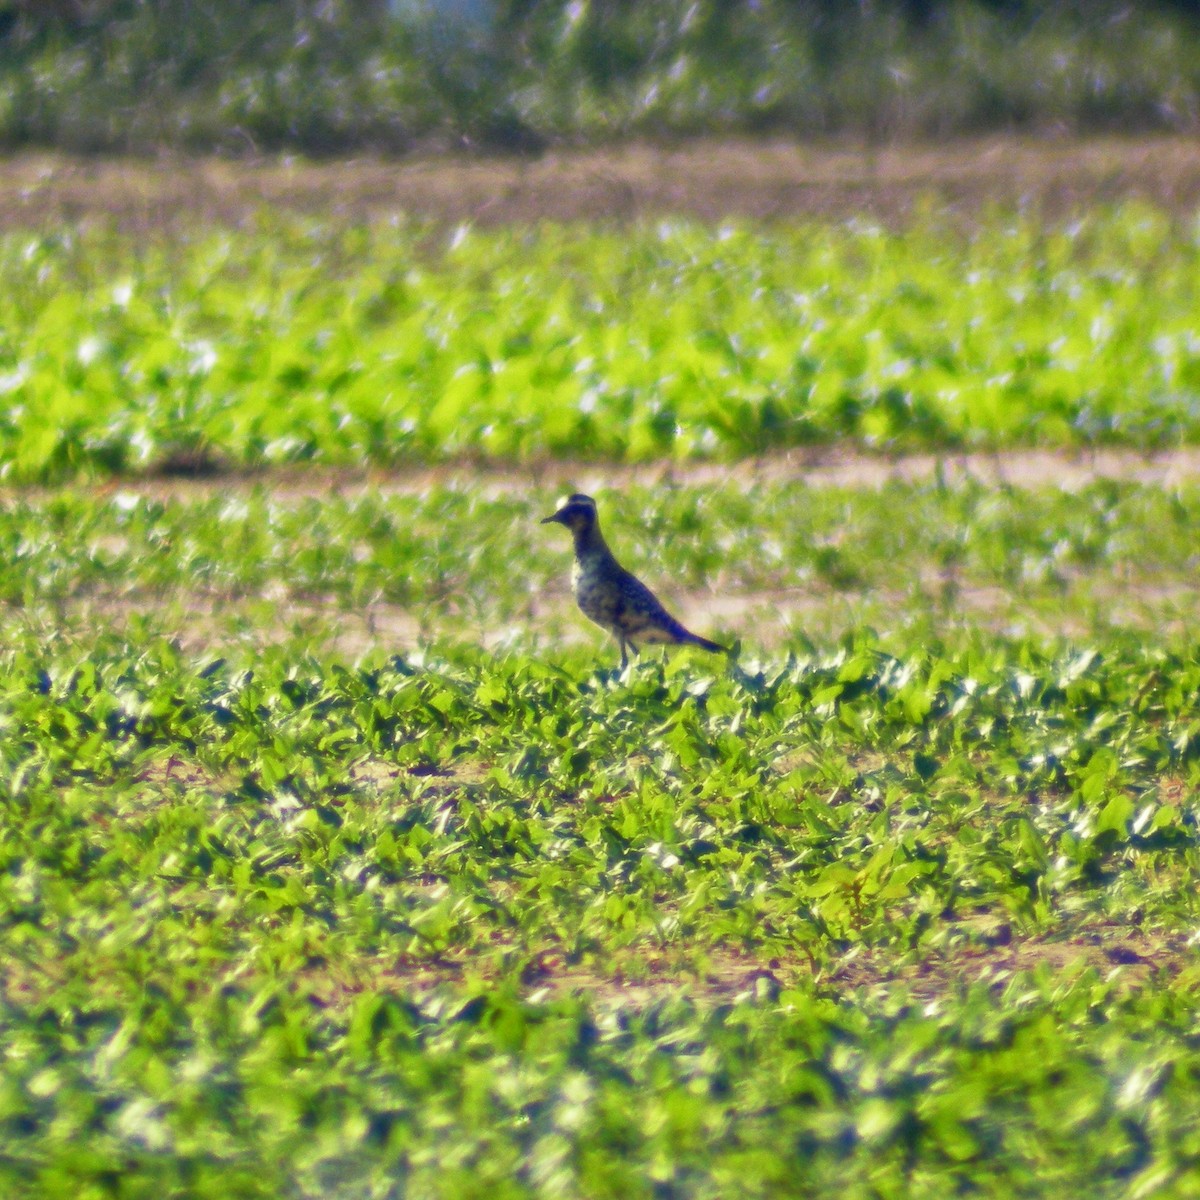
{"x": 595, "y": 595}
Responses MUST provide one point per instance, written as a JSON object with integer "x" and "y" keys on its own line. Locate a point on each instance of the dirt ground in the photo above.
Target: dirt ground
{"x": 709, "y": 179}
{"x": 824, "y": 466}
{"x": 836, "y": 466}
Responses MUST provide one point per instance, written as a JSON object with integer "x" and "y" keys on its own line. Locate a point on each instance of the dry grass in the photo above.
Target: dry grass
{"x": 709, "y": 179}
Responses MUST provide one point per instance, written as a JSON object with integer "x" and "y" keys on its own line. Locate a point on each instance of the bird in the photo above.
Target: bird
{"x": 611, "y": 596}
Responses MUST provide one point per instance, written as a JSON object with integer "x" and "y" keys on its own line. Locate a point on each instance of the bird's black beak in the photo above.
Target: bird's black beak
{"x": 556, "y": 519}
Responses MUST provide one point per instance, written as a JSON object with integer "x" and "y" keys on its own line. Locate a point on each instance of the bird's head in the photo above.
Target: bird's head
{"x": 577, "y": 513}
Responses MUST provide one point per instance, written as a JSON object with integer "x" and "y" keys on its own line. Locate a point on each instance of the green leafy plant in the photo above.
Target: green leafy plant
{"x": 303, "y": 343}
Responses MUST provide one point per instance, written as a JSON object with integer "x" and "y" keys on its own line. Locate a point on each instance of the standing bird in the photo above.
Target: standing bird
{"x": 608, "y": 594}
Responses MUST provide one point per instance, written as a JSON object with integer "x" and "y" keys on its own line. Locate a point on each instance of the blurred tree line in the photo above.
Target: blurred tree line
{"x": 333, "y": 76}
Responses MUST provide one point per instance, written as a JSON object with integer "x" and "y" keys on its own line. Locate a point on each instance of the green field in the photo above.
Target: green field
{"x": 339, "y": 860}
{"x": 894, "y": 910}
{"x": 392, "y": 343}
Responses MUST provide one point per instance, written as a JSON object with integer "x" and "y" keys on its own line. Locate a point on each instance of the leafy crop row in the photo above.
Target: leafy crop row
{"x": 273, "y": 921}
{"x": 384, "y": 345}
{"x": 892, "y": 914}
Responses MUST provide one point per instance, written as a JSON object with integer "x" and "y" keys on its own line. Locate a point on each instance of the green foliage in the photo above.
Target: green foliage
{"x": 387, "y": 344}
{"x": 897, "y": 913}
{"x": 340, "y": 75}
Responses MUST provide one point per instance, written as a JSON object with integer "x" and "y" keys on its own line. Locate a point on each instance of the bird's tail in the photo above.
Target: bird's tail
{"x": 694, "y": 639}
{"x": 679, "y": 634}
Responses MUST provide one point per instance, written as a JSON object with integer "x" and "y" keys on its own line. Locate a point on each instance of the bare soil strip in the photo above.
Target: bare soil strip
{"x": 705, "y": 178}
{"x": 1069, "y": 470}
{"x": 1127, "y": 957}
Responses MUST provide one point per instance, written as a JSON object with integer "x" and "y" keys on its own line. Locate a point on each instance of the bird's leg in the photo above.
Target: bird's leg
{"x": 624, "y": 653}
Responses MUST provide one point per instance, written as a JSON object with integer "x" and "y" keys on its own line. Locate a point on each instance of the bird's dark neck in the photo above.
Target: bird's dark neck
{"x": 590, "y": 543}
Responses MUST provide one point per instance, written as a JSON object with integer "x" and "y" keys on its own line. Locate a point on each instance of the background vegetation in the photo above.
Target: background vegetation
{"x": 332, "y": 76}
